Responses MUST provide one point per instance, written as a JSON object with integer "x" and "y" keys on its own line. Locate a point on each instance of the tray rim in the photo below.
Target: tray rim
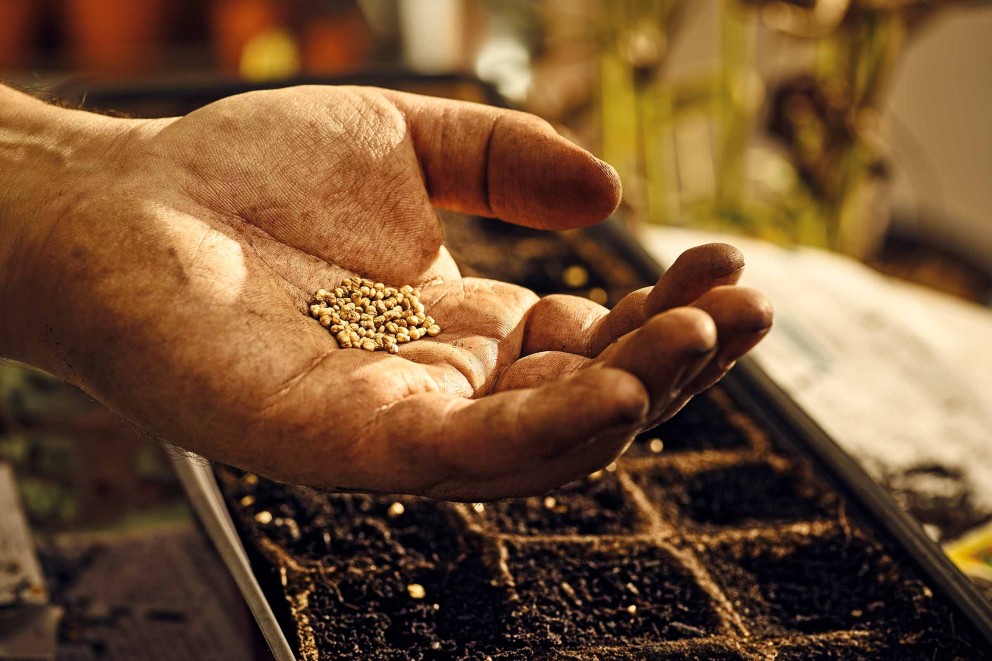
{"x": 198, "y": 481}
{"x": 748, "y": 385}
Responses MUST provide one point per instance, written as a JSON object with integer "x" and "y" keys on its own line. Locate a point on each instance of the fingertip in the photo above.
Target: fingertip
{"x": 695, "y": 272}
{"x": 611, "y": 188}
{"x": 761, "y": 314}
{"x": 629, "y": 399}
{"x": 545, "y": 181}
{"x": 721, "y": 260}
{"x": 589, "y": 191}
{"x": 684, "y": 329}
{"x": 737, "y": 309}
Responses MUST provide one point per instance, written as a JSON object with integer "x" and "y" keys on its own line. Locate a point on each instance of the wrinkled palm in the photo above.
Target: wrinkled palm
{"x": 182, "y": 284}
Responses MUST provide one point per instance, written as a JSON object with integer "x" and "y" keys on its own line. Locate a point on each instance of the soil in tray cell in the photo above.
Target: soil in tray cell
{"x": 753, "y": 492}
{"x": 575, "y": 595}
{"x": 703, "y": 424}
{"x": 409, "y": 611}
{"x": 592, "y": 506}
{"x": 343, "y": 530}
{"x": 836, "y": 583}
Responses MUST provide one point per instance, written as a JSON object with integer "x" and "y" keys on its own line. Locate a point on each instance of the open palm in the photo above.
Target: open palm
{"x": 179, "y": 291}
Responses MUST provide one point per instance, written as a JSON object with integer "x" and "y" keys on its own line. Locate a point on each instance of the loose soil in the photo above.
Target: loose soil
{"x": 720, "y": 546}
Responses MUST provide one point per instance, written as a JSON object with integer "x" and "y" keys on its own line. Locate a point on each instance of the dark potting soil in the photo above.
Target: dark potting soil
{"x": 611, "y": 595}
{"x": 680, "y": 433}
{"x": 838, "y": 582}
{"x": 593, "y": 506}
{"x": 742, "y": 493}
{"x": 940, "y": 497}
{"x": 652, "y": 560}
{"x": 703, "y": 542}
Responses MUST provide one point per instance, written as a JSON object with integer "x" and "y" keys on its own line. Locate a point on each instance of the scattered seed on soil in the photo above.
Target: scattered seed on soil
{"x": 362, "y": 314}
{"x": 416, "y": 591}
{"x": 395, "y": 510}
{"x": 264, "y": 517}
{"x": 655, "y": 445}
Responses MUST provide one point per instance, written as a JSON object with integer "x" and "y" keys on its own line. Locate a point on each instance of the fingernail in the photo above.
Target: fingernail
{"x": 702, "y": 357}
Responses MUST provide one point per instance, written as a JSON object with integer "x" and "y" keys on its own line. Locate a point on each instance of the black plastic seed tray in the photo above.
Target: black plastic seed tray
{"x": 729, "y": 532}
{"x": 738, "y": 530}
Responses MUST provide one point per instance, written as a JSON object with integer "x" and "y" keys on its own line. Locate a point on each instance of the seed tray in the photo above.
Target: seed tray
{"x": 696, "y": 537}
{"x": 726, "y": 543}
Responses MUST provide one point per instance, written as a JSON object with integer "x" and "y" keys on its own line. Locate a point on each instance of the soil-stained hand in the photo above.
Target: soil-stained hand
{"x": 173, "y": 282}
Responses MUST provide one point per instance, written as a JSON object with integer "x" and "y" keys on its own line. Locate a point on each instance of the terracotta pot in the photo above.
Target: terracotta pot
{"x": 237, "y": 22}
{"x": 110, "y": 37}
{"x": 18, "y": 19}
{"x": 335, "y": 44}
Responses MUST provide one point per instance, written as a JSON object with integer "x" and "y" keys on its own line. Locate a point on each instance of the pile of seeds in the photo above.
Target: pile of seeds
{"x": 368, "y": 315}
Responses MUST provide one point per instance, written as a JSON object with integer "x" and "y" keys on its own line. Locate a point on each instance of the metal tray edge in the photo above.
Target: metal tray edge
{"x": 200, "y": 485}
{"x": 761, "y": 397}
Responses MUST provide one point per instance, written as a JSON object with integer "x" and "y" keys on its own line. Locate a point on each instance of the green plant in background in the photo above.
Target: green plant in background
{"x": 830, "y": 120}
{"x": 77, "y": 466}
{"x": 637, "y": 104}
{"x": 695, "y": 152}
{"x": 42, "y": 460}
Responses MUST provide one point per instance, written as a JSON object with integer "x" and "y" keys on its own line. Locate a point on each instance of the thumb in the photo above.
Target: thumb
{"x": 496, "y": 162}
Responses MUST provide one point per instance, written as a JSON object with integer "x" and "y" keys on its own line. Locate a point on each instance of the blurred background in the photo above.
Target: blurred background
{"x": 859, "y": 126}
{"x": 855, "y": 125}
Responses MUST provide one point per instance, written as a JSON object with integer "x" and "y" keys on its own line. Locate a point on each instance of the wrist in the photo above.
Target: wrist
{"x": 49, "y": 158}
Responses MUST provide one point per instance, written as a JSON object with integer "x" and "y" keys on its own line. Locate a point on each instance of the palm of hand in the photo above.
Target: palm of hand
{"x": 238, "y": 212}
{"x": 311, "y": 207}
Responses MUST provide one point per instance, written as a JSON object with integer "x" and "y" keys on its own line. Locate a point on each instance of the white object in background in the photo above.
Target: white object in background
{"x": 433, "y": 34}
{"x": 28, "y": 624}
{"x": 21, "y": 581}
{"x": 898, "y": 375}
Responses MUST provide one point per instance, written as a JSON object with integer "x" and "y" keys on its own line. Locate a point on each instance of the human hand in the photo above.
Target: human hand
{"x": 169, "y": 269}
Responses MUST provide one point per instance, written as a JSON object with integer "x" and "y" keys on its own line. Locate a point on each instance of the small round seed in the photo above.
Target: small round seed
{"x": 369, "y": 315}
